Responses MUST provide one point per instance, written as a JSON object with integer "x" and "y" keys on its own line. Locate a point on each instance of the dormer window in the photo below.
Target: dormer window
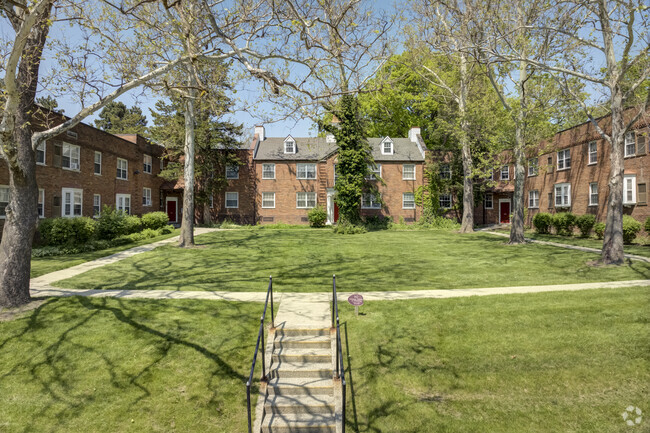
{"x": 289, "y": 145}
{"x": 387, "y": 147}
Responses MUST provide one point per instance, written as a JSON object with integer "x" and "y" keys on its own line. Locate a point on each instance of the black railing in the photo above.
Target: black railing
{"x": 260, "y": 337}
{"x": 340, "y": 370}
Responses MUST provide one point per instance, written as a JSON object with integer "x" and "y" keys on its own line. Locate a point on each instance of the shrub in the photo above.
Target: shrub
{"x": 150, "y": 233}
{"x": 67, "y": 231}
{"x": 317, "y": 216}
{"x": 599, "y": 229}
{"x": 542, "y": 222}
{"x": 346, "y": 228}
{"x": 375, "y": 222}
{"x": 585, "y": 223}
{"x": 631, "y": 228}
{"x": 647, "y": 225}
{"x": 166, "y": 230}
{"x": 155, "y": 220}
{"x": 110, "y": 223}
{"x": 563, "y": 222}
{"x": 45, "y": 230}
{"x": 132, "y": 224}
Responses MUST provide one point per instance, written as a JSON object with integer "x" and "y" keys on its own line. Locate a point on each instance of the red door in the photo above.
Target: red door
{"x": 504, "y": 212}
{"x": 171, "y": 210}
{"x": 336, "y": 212}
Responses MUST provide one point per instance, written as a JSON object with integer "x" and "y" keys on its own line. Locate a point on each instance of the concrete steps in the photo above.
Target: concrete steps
{"x": 299, "y": 423}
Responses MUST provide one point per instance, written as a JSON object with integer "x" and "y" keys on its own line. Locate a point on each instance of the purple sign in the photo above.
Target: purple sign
{"x": 355, "y": 300}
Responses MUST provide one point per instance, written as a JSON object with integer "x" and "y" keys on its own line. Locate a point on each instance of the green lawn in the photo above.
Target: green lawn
{"x": 109, "y": 365}
{"x": 551, "y": 362}
{"x": 45, "y": 265}
{"x": 304, "y": 260}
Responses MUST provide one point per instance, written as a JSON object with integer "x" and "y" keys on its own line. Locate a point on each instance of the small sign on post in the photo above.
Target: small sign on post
{"x": 356, "y": 300}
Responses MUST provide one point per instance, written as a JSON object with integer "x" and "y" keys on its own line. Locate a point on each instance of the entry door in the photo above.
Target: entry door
{"x": 171, "y": 210}
{"x": 504, "y": 212}
{"x": 336, "y": 212}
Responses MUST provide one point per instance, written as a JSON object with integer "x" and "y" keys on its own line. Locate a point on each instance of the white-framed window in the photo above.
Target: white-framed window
{"x": 375, "y": 172}
{"x": 98, "y": 163}
{"x": 232, "y": 200}
{"x": 305, "y": 200}
{"x": 147, "y": 163}
{"x": 211, "y": 202}
{"x": 122, "y": 169}
{"x": 562, "y": 195}
{"x": 533, "y": 167}
{"x": 445, "y": 201}
{"x": 408, "y": 172}
{"x": 162, "y": 164}
{"x": 564, "y": 159}
{"x": 593, "y": 194}
{"x": 268, "y": 200}
{"x": 305, "y": 171}
{"x": 72, "y": 202}
{"x": 70, "y": 156}
{"x": 629, "y": 189}
{"x": 593, "y": 152}
{"x": 146, "y": 196}
{"x": 123, "y": 203}
{"x": 97, "y": 204}
{"x": 387, "y": 147}
{"x": 445, "y": 171}
{"x": 232, "y": 171}
{"x": 289, "y": 145}
{"x": 268, "y": 171}
{"x": 489, "y": 200}
{"x": 408, "y": 200}
{"x": 533, "y": 199}
{"x": 370, "y": 201}
{"x": 505, "y": 172}
{"x": 630, "y": 144}
{"x": 40, "y": 153}
{"x": 5, "y": 196}
{"x": 41, "y": 203}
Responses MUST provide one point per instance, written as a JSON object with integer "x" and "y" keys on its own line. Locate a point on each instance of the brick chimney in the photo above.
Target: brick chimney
{"x": 413, "y": 133}
{"x": 259, "y": 131}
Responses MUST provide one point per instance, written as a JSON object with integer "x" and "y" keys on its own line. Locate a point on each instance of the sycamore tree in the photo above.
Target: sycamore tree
{"x": 117, "y": 118}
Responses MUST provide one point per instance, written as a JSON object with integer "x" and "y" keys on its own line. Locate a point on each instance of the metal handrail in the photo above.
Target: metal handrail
{"x": 260, "y": 336}
{"x": 340, "y": 369}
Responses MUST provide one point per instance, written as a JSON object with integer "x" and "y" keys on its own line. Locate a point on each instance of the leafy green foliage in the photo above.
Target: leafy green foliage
{"x": 116, "y": 118}
{"x": 631, "y": 228}
{"x": 317, "y": 216}
{"x": 67, "y": 231}
{"x": 563, "y": 223}
{"x": 585, "y": 223}
{"x": 110, "y": 223}
{"x": 647, "y": 225}
{"x": 155, "y": 220}
{"x": 49, "y": 103}
{"x": 347, "y": 228}
{"x": 599, "y": 229}
{"x": 542, "y": 222}
{"x": 132, "y": 224}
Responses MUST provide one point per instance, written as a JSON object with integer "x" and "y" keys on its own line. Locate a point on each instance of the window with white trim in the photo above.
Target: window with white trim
{"x": 268, "y": 200}
{"x": 289, "y": 146}
{"x": 489, "y": 200}
{"x": 593, "y": 152}
{"x": 593, "y": 194}
{"x": 370, "y": 201}
{"x": 375, "y": 172}
{"x": 387, "y": 147}
{"x": 146, "y": 196}
{"x": 41, "y": 203}
{"x": 123, "y": 203}
{"x": 445, "y": 171}
{"x": 98, "y": 163}
{"x": 629, "y": 189}
{"x": 305, "y": 171}
{"x": 305, "y": 200}
{"x": 162, "y": 164}
{"x": 408, "y": 172}
{"x": 630, "y": 144}
{"x": 533, "y": 167}
{"x": 408, "y": 200}
{"x": 122, "y": 169}
{"x": 268, "y": 171}
{"x": 147, "y": 163}
{"x": 564, "y": 159}
{"x": 5, "y": 196}
{"x": 70, "y": 156}
{"x": 72, "y": 202}
{"x": 40, "y": 153}
{"x": 232, "y": 171}
{"x": 445, "y": 201}
{"x": 97, "y": 204}
{"x": 232, "y": 200}
{"x": 505, "y": 172}
{"x": 533, "y": 199}
{"x": 562, "y": 195}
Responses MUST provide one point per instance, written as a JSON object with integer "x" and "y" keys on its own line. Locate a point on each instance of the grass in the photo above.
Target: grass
{"x": 548, "y": 362}
{"x": 304, "y": 261}
{"x": 45, "y": 265}
{"x": 110, "y": 365}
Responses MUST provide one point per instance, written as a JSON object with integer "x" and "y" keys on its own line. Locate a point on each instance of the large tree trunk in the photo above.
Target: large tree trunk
{"x": 187, "y": 224}
{"x": 467, "y": 223}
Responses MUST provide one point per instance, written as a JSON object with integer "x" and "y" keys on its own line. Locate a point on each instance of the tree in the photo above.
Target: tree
{"x": 117, "y": 118}
{"x": 49, "y": 103}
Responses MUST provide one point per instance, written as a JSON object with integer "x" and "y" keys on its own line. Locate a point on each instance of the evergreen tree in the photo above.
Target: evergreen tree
{"x": 117, "y": 118}
{"x": 49, "y": 103}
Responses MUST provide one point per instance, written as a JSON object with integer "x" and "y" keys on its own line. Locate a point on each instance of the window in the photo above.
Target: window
{"x": 40, "y": 154}
{"x": 550, "y": 200}
{"x": 533, "y": 199}
{"x": 4, "y": 200}
{"x": 289, "y": 146}
{"x": 387, "y": 147}
{"x": 642, "y": 194}
{"x": 445, "y": 171}
{"x": 146, "y": 196}
{"x": 564, "y": 159}
{"x": 147, "y": 164}
{"x": 336, "y": 174}
{"x": 305, "y": 200}
{"x": 370, "y": 201}
{"x": 162, "y": 164}
{"x": 306, "y": 171}
{"x": 122, "y": 168}
{"x": 533, "y": 167}
{"x": 97, "y": 204}
{"x": 593, "y": 194}
{"x": 629, "y": 189}
{"x": 445, "y": 201}
{"x": 505, "y": 172}
{"x": 593, "y": 152}
{"x": 640, "y": 144}
{"x": 489, "y": 200}
{"x": 375, "y": 172}
{"x": 72, "y": 134}
{"x": 630, "y": 144}
{"x": 408, "y": 172}
{"x": 268, "y": 171}
{"x": 408, "y": 200}
{"x": 211, "y": 202}
{"x": 41, "y": 203}
{"x": 232, "y": 171}
{"x": 232, "y": 200}
{"x": 70, "y": 156}
{"x": 268, "y": 200}
{"x": 72, "y": 202}
{"x": 563, "y": 195}
{"x": 98, "y": 163}
{"x": 123, "y": 203}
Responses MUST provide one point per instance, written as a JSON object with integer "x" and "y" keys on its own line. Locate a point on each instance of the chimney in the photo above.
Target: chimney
{"x": 259, "y": 131}
{"x": 413, "y": 133}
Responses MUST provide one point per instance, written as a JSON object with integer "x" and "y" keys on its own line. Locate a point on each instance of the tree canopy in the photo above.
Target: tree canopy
{"x": 117, "y": 118}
